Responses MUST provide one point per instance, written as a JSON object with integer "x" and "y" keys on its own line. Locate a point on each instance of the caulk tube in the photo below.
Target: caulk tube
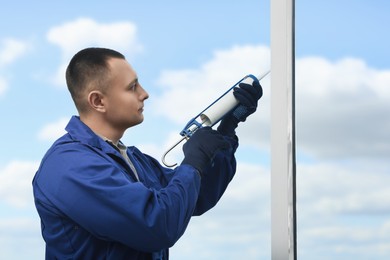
{"x": 223, "y": 105}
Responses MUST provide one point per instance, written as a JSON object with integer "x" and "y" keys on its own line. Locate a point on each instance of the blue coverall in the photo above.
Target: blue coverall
{"x": 92, "y": 206}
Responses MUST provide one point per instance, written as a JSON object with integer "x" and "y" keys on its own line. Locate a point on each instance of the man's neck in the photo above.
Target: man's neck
{"x": 102, "y": 128}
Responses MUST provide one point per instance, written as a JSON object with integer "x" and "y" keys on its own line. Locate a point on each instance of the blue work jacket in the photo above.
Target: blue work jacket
{"x": 92, "y": 206}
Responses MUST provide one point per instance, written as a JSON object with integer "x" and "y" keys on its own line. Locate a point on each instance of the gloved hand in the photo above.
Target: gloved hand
{"x": 201, "y": 148}
{"x": 248, "y": 97}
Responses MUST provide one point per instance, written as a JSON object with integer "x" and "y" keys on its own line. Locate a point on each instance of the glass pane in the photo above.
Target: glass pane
{"x": 343, "y": 130}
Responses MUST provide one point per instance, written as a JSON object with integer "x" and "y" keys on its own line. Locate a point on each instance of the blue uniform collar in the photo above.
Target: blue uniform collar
{"x": 78, "y": 131}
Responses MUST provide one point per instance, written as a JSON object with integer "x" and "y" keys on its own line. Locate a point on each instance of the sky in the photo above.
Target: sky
{"x": 186, "y": 54}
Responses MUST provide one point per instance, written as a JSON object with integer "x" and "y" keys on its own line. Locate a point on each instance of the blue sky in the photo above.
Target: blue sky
{"x": 186, "y": 54}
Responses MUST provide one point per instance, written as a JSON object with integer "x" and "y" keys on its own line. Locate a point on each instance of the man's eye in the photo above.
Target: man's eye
{"x": 133, "y": 86}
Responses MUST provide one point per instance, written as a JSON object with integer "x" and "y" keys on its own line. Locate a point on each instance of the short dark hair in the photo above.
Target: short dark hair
{"x": 88, "y": 69}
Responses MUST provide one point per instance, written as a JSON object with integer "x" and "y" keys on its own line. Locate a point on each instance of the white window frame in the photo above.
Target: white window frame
{"x": 283, "y": 195}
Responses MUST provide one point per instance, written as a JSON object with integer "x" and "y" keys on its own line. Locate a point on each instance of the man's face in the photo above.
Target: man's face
{"x": 124, "y": 97}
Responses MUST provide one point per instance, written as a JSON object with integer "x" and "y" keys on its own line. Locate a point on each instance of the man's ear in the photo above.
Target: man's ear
{"x": 96, "y": 101}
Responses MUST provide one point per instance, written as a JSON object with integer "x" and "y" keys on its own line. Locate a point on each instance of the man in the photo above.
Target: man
{"x": 97, "y": 198}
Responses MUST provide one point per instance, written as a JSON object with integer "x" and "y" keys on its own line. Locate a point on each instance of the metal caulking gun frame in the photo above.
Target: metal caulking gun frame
{"x": 212, "y": 114}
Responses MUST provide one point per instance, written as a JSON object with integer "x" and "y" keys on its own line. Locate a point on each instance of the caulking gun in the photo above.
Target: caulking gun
{"x": 212, "y": 114}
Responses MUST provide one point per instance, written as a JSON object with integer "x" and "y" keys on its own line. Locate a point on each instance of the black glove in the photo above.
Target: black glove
{"x": 248, "y": 97}
{"x": 201, "y": 148}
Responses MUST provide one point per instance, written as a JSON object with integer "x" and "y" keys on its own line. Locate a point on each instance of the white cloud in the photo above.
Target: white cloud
{"x": 343, "y": 189}
{"x": 15, "y": 183}
{"x": 10, "y": 50}
{"x": 54, "y": 130}
{"x": 342, "y": 108}
{"x": 17, "y": 230}
{"x": 345, "y": 242}
{"x": 337, "y": 204}
{"x": 85, "y": 32}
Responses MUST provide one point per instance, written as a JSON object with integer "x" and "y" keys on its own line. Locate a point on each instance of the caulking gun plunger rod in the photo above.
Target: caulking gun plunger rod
{"x": 212, "y": 114}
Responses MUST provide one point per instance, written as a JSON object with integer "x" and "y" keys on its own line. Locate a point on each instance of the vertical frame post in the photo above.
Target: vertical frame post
{"x": 283, "y": 196}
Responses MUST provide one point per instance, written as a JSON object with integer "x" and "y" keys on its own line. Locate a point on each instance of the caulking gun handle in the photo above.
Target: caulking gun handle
{"x": 191, "y": 127}
{"x": 170, "y": 149}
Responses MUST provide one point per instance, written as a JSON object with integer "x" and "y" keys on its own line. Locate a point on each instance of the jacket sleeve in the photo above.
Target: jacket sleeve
{"x": 91, "y": 191}
{"x": 216, "y": 178}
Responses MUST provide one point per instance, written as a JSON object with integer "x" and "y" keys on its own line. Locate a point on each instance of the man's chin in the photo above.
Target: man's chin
{"x": 139, "y": 121}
